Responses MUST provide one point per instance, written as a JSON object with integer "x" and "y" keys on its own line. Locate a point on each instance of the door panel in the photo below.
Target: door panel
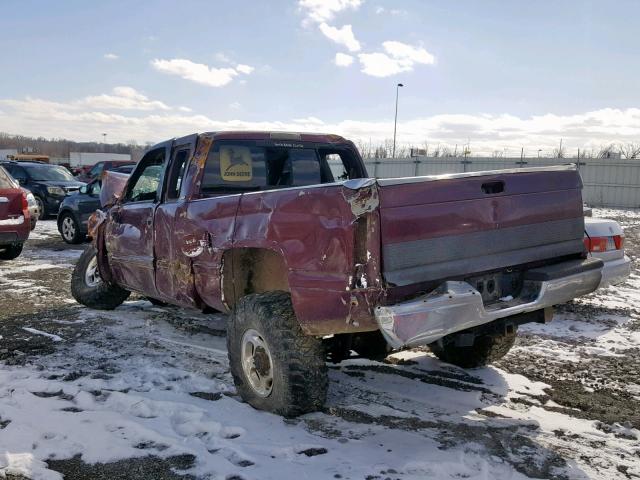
{"x": 130, "y": 232}
{"x": 129, "y": 239}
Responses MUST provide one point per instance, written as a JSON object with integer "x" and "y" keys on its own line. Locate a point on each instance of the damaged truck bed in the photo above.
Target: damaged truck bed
{"x": 312, "y": 258}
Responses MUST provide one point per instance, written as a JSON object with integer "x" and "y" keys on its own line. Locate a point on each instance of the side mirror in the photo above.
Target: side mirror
{"x": 21, "y": 181}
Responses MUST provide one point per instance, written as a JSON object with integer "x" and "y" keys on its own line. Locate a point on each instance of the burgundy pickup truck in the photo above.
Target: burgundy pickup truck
{"x": 15, "y": 222}
{"x": 313, "y": 259}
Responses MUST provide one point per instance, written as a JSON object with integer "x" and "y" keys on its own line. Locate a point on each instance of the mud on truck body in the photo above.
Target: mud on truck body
{"x": 312, "y": 259}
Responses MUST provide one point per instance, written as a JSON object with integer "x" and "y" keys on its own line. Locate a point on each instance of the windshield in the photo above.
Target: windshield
{"x": 49, "y": 173}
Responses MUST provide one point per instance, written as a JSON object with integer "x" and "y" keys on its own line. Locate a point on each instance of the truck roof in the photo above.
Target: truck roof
{"x": 271, "y": 135}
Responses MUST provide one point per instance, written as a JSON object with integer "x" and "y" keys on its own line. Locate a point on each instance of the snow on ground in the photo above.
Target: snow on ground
{"x": 146, "y": 389}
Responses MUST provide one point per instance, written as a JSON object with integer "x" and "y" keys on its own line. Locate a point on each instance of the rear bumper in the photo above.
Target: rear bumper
{"x": 14, "y": 231}
{"x": 456, "y": 306}
{"x": 615, "y": 271}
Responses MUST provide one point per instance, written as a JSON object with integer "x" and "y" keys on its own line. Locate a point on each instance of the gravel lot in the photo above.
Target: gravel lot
{"x": 144, "y": 392}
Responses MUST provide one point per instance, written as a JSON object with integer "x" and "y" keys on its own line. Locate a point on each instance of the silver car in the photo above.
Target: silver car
{"x": 604, "y": 239}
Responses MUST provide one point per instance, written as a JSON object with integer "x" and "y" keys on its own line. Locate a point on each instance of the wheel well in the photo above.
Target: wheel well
{"x": 63, "y": 212}
{"x": 252, "y": 270}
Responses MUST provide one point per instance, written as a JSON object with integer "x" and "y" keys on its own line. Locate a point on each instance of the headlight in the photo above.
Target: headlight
{"x": 56, "y": 191}
{"x": 31, "y": 200}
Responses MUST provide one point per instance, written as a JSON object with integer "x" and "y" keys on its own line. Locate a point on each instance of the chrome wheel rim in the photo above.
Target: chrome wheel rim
{"x": 68, "y": 228}
{"x": 91, "y": 274}
{"x": 257, "y": 363}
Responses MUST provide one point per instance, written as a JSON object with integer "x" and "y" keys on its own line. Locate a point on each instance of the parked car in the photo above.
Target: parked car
{"x": 14, "y": 217}
{"x": 604, "y": 239}
{"x": 50, "y": 184}
{"x": 310, "y": 256}
{"x": 87, "y": 174}
{"x": 76, "y": 209}
{"x": 34, "y": 212}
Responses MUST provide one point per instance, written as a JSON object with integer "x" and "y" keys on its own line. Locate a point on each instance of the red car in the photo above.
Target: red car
{"x": 14, "y": 217}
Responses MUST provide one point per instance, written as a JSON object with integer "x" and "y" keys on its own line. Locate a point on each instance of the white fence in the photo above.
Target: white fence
{"x": 607, "y": 182}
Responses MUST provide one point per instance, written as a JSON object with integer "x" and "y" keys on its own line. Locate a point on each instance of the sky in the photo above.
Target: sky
{"x": 496, "y": 75}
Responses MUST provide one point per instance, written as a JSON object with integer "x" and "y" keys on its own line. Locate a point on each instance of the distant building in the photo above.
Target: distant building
{"x": 4, "y": 153}
{"x": 80, "y": 159}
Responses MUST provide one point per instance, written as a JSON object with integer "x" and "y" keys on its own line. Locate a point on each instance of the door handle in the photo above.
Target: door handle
{"x": 493, "y": 187}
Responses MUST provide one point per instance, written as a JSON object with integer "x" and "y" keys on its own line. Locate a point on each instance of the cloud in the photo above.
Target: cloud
{"x": 199, "y": 72}
{"x": 235, "y": 106}
{"x": 391, "y": 11}
{"x": 111, "y": 56}
{"x": 487, "y": 133}
{"x": 319, "y": 11}
{"x": 342, "y": 36}
{"x": 246, "y": 69}
{"x": 398, "y": 57}
{"x": 123, "y": 98}
{"x": 343, "y": 60}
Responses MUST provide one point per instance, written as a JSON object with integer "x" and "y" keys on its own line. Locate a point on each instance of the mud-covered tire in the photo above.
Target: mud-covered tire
{"x": 485, "y": 350}
{"x": 100, "y": 295}
{"x": 11, "y": 252}
{"x": 298, "y": 368}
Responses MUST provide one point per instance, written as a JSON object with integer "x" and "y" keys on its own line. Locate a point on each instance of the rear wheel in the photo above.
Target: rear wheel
{"x": 485, "y": 349}
{"x": 89, "y": 289}
{"x": 275, "y": 366}
{"x": 11, "y": 252}
{"x": 70, "y": 229}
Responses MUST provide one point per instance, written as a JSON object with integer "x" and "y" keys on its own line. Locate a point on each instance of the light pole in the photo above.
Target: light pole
{"x": 395, "y": 122}
{"x": 539, "y": 150}
{"x": 104, "y": 138}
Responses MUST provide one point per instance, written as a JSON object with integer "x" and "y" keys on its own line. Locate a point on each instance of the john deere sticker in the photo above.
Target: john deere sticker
{"x": 235, "y": 163}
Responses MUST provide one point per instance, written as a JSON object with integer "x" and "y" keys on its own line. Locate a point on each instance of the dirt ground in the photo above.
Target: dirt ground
{"x": 144, "y": 392}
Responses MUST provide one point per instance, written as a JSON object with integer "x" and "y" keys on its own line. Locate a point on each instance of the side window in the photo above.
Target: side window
{"x": 178, "y": 166}
{"x": 97, "y": 169}
{"x": 339, "y": 165}
{"x": 18, "y": 173}
{"x": 338, "y": 168}
{"x": 145, "y": 181}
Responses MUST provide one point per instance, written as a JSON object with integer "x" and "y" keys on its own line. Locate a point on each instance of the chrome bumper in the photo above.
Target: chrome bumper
{"x": 615, "y": 271}
{"x": 456, "y": 306}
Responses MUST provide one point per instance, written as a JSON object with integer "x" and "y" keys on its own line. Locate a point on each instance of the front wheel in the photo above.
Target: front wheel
{"x": 485, "y": 349}
{"x": 42, "y": 212}
{"x": 70, "y": 229}
{"x": 275, "y": 366}
{"x": 89, "y": 289}
{"x": 11, "y": 252}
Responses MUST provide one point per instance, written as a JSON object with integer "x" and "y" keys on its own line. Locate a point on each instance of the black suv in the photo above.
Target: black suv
{"x": 50, "y": 184}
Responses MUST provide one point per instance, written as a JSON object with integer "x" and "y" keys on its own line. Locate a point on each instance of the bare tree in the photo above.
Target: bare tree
{"x": 559, "y": 152}
{"x": 607, "y": 151}
{"x": 630, "y": 151}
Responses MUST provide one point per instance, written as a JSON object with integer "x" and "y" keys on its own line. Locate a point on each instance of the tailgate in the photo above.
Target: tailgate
{"x": 434, "y": 228}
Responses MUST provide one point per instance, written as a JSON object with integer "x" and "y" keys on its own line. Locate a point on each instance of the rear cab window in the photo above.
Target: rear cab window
{"x": 5, "y": 180}
{"x": 235, "y": 166}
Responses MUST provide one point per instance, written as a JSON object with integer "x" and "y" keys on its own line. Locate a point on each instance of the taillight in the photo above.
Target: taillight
{"x": 604, "y": 244}
{"x": 25, "y": 205}
{"x": 619, "y": 241}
